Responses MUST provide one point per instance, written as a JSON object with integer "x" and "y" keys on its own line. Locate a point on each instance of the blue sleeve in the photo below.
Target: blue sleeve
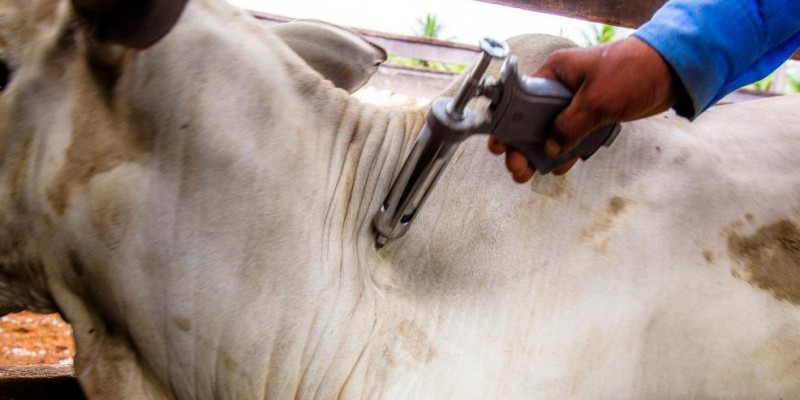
{"x": 718, "y": 46}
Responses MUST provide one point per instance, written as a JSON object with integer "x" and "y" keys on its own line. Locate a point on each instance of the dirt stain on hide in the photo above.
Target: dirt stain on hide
{"x": 708, "y": 256}
{"x": 600, "y": 232}
{"x": 616, "y": 205}
{"x": 408, "y": 345}
{"x": 415, "y": 341}
{"x": 771, "y": 257}
{"x": 183, "y": 323}
{"x": 103, "y": 137}
{"x": 84, "y": 160}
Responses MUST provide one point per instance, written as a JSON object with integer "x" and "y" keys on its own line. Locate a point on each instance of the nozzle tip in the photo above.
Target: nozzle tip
{"x": 380, "y": 240}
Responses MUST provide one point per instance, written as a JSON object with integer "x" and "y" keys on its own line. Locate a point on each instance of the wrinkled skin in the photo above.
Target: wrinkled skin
{"x": 200, "y": 212}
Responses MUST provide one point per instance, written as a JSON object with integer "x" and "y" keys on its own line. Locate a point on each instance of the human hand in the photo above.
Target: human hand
{"x": 621, "y": 81}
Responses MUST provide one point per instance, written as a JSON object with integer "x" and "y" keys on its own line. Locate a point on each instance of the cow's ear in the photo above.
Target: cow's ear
{"x": 343, "y": 57}
{"x": 133, "y": 23}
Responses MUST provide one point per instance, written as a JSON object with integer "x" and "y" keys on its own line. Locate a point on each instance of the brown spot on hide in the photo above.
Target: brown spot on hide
{"x": 750, "y": 218}
{"x": 771, "y": 257}
{"x": 183, "y": 323}
{"x": 228, "y": 362}
{"x": 102, "y": 138}
{"x": 682, "y": 158}
{"x": 387, "y": 356}
{"x": 600, "y": 233}
{"x": 709, "y": 256}
{"x": 416, "y": 342}
{"x": 616, "y": 205}
{"x": 80, "y": 168}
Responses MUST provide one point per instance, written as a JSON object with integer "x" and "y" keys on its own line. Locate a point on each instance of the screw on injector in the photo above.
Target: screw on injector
{"x": 471, "y": 86}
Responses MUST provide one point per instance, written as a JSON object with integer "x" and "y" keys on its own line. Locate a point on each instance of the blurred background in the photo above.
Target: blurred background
{"x": 466, "y": 21}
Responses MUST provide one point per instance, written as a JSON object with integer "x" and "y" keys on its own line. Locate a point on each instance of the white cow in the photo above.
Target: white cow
{"x": 200, "y": 211}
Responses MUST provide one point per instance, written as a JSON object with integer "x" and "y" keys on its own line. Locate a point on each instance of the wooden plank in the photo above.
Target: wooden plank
{"x": 36, "y": 371}
{"x": 624, "y": 13}
{"x": 32, "y": 382}
{"x": 401, "y": 45}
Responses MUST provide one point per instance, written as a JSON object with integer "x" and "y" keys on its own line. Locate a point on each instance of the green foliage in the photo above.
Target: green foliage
{"x": 790, "y": 75}
{"x": 794, "y": 83}
{"x": 605, "y": 33}
{"x": 764, "y": 84}
{"x": 793, "y": 78}
{"x": 599, "y": 34}
{"x": 417, "y": 63}
{"x": 429, "y": 26}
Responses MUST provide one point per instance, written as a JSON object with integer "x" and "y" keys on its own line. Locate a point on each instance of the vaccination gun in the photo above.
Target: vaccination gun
{"x": 519, "y": 115}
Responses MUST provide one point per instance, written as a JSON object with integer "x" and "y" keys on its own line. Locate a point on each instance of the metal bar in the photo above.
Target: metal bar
{"x": 400, "y": 45}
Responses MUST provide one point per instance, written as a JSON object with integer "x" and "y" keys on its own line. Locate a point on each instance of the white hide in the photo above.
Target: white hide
{"x": 205, "y": 224}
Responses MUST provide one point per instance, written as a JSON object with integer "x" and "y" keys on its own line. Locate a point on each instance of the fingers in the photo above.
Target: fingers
{"x": 524, "y": 177}
{"x": 520, "y": 168}
{"x": 517, "y": 164}
{"x": 552, "y": 148}
{"x": 496, "y": 147}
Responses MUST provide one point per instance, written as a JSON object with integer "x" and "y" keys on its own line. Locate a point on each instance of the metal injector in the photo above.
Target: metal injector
{"x": 520, "y": 113}
{"x": 447, "y": 124}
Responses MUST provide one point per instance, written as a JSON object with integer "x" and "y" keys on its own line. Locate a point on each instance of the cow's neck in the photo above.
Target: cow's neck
{"x": 365, "y": 151}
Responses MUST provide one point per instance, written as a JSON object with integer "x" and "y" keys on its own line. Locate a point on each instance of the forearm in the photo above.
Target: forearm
{"x": 716, "y": 46}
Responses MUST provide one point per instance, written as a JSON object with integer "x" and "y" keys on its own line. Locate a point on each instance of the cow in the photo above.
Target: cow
{"x": 195, "y": 196}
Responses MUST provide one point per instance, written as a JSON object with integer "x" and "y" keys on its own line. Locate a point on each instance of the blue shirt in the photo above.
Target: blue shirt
{"x": 718, "y": 46}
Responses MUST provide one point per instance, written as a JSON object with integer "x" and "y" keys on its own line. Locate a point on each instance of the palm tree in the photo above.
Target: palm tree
{"x": 598, "y": 34}
{"x": 430, "y": 27}
{"x": 605, "y": 33}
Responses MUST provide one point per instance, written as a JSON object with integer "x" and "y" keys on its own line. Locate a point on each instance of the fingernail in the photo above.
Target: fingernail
{"x": 552, "y": 148}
